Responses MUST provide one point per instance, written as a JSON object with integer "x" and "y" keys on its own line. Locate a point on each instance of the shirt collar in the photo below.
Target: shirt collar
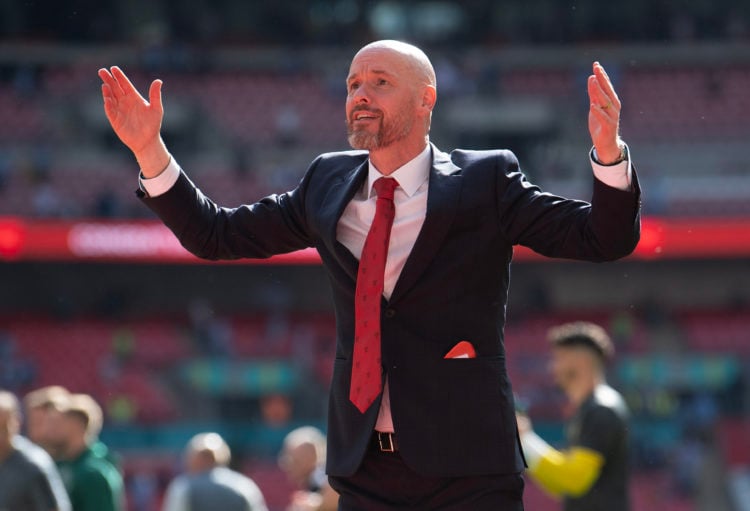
{"x": 410, "y": 175}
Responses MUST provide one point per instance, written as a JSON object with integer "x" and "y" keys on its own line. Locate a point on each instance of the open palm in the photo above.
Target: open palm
{"x": 136, "y": 122}
{"x": 604, "y": 115}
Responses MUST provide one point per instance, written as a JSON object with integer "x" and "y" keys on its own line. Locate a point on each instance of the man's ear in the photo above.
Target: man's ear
{"x": 429, "y": 97}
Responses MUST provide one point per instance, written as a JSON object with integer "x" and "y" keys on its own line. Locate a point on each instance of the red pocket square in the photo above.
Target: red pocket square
{"x": 463, "y": 349}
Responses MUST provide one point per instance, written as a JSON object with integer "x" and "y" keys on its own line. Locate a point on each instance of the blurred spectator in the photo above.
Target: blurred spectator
{"x": 122, "y": 409}
{"x": 144, "y": 491}
{"x": 123, "y": 345}
{"x": 38, "y": 167}
{"x": 93, "y": 480}
{"x": 303, "y": 459}
{"x": 622, "y": 327}
{"x": 688, "y": 458}
{"x": 122, "y": 351}
{"x": 44, "y": 408}
{"x": 15, "y": 371}
{"x": 47, "y": 201}
{"x": 593, "y": 472}
{"x": 208, "y": 483}
{"x": 288, "y": 126}
{"x": 26, "y": 82}
{"x": 698, "y": 416}
{"x": 108, "y": 205}
{"x": 4, "y": 169}
{"x": 213, "y": 336}
{"x": 276, "y": 410}
{"x": 29, "y": 480}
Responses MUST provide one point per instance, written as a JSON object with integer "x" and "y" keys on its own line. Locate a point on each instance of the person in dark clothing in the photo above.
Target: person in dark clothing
{"x": 89, "y": 471}
{"x": 417, "y": 244}
{"x": 592, "y": 474}
{"x": 27, "y": 483}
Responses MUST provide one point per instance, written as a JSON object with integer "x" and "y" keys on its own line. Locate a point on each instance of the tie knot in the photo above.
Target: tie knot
{"x": 385, "y": 187}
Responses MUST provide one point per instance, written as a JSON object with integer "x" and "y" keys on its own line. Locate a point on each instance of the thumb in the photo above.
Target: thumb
{"x": 154, "y": 95}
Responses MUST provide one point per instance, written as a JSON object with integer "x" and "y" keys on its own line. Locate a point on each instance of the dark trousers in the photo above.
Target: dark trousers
{"x": 385, "y": 483}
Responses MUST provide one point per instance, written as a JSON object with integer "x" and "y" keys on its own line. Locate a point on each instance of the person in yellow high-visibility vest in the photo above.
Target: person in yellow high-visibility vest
{"x": 592, "y": 473}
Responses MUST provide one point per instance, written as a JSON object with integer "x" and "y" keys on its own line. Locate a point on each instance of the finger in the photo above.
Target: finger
{"x": 154, "y": 95}
{"x": 104, "y": 74}
{"x": 599, "y": 68}
{"x": 109, "y": 80}
{"x": 107, "y": 95}
{"x": 124, "y": 83}
{"x": 598, "y": 96}
{"x": 107, "y": 92}
{"x": 110, "y": 103}
{"x": 603, "y": 115}
{"x": 605, "y": 83}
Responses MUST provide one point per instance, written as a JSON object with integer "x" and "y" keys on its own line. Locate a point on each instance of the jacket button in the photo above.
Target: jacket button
{"x": 389, "y": 313}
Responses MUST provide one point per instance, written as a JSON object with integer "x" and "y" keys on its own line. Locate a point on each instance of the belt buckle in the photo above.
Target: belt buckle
{"x": 385, "y": 442}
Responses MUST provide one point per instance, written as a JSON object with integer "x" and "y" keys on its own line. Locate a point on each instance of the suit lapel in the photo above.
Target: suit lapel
{"x": 338, "y": 196}
{"x": 442, "y": 196}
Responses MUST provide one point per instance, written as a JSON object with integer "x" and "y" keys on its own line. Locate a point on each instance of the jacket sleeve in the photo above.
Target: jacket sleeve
{"x": 605, "y": 229}
{"x": 274, "y": 225}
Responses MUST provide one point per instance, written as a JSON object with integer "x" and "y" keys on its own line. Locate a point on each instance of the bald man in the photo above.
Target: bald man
{"x": 208, "y": 483}
{"x": 303, "y": 458}
{"x": 417, "y": 244}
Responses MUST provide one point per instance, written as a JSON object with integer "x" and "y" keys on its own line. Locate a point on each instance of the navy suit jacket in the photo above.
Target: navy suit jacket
{"x": 452, "y": 417}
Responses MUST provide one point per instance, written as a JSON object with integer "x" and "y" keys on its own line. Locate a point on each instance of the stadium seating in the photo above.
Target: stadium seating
{"x": 685, "y": 110}
{"x": 112, "y": 359}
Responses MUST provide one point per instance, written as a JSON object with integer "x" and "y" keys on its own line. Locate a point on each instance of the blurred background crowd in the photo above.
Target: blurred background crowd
{"x": 253, "y": 92}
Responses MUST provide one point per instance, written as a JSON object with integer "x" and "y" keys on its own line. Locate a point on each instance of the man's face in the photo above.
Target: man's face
{"x": 568, "y": 365}
{"x": 298, "y": 462}
{"x": 44, "y": 425}
{"x": 35, "y": 424}
{"x": 381, "y": 100}
{"x": 9, "y": 426}
{"x": 198, "y": 462}
{"x": 70, "y": 429}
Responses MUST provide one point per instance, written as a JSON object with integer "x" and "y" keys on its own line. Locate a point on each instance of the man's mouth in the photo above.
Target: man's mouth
{"x": 363, "y": 116}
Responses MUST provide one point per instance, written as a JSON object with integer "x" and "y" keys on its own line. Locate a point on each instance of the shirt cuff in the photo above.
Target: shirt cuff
{"x": 534, "y": 448}
{"x": 619, "y": 175}
{"x": 155, "y": 186}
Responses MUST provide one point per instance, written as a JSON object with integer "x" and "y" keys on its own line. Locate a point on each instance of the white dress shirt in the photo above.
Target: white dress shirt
{"x": 410, "y": 199}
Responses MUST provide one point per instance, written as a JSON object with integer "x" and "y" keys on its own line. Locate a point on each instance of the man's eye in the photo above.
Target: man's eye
{"x": 382, "y": 81}
{"x": 353, "y": 86}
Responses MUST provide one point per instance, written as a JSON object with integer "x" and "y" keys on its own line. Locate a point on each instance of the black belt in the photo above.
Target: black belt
{"x": 384, "y": 442}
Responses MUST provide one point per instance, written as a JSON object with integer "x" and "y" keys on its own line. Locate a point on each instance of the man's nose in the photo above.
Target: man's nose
{"x": 360, "y": 95}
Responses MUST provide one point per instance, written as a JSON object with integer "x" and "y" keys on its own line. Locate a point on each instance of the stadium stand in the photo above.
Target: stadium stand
{"x": 694, "y": 113}
{"x": 115, "y": 360}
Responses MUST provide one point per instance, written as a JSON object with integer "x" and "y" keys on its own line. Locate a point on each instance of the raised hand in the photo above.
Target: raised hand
{"x": 135, "y": 121}
{"x": 604, "y": 116}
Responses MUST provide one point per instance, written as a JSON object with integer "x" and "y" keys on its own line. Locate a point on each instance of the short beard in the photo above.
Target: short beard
{"x": 389, "y": 132}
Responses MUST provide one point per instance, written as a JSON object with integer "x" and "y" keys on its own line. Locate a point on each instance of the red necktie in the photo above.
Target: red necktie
{"x": 366, "y": 367}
